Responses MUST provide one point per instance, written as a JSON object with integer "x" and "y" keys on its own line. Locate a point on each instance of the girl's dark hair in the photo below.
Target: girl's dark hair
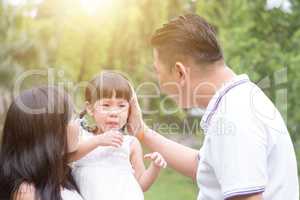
{"x": 104, "y": 86}
{"x": 34, "y": 144}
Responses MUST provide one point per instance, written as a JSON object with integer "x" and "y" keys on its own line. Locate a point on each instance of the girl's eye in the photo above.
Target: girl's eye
{"x": 105, "y": 105}
{"x": 122, "y": 105}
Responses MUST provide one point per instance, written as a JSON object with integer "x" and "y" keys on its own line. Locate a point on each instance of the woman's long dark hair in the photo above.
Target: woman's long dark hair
{"x": 34, "y": 144}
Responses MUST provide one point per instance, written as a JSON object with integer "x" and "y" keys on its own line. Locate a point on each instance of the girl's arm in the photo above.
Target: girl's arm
{"x": 111, "y": 138}
{"x": 145, "y": 177}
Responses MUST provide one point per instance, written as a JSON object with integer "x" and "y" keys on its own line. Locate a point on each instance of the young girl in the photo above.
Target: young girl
{"x": 109, "y": 164}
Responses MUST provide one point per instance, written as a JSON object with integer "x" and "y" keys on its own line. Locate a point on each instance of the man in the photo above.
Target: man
{"x": 247, "y": 153}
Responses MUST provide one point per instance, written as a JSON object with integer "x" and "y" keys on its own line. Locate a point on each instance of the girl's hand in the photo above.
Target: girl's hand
{"x": 157, "y": 159}
{"x": 25, "y": 192}
{"x": 111, "y": 138}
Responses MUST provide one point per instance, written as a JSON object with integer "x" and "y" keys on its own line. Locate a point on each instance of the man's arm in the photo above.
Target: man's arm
{"x": 179, "y": 157}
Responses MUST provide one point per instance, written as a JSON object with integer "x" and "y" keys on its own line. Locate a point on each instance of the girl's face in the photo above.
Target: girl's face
{"x": 110, "y": 113}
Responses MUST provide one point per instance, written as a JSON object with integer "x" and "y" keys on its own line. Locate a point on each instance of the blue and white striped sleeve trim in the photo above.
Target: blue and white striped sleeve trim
{"x": 244, "y": 191}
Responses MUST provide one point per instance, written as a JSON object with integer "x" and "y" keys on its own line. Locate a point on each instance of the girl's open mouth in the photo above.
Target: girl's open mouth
{"x": 112, "y": 124}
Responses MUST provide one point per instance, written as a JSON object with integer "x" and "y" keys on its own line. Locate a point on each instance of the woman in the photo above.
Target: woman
{"x": 38, "y": 134}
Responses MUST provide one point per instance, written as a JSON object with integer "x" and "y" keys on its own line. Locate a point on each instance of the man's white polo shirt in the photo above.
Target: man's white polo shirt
{"x": 247, "y": 148}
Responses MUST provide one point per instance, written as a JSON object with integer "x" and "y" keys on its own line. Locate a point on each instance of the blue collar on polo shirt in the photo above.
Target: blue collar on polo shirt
{"x": 217, "y": 97}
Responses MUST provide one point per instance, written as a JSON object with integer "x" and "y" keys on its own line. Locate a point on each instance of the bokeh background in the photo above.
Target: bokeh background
{"x": 76, "y": 39}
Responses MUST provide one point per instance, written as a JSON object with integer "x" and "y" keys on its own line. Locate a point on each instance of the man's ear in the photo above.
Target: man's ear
{"x": 181, "y": 72}
{"x": 89, "y": 108}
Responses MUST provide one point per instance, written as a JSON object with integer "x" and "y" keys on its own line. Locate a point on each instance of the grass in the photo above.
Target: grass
{"x": 171, "y": 185}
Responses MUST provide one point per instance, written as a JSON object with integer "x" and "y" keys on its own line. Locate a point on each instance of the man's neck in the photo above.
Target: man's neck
{"x": 215, "y": 80}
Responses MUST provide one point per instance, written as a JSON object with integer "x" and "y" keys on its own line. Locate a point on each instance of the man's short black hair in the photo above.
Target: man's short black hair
{"x": 187, "y": 36}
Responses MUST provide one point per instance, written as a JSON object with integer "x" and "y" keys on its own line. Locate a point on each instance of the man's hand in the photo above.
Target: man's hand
{"x": 135, "y": 124}
{"x": 185, "y": 164}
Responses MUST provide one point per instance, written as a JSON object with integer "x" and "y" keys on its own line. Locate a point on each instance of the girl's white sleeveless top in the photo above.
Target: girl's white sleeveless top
{"x": 106, "y": 173}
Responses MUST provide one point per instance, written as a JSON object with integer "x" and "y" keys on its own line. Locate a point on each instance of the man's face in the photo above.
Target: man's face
{"x": 168, "y": 79}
